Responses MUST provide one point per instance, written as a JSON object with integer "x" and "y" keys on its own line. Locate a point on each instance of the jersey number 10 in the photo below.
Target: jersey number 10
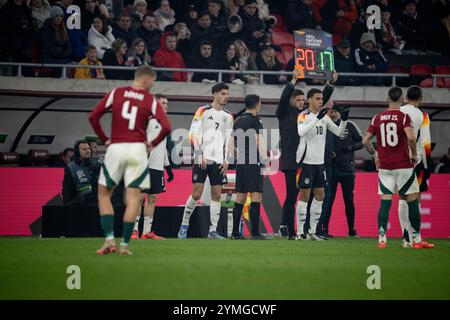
{"x": 129, "y": 115}
{"x": 388, "y": 133}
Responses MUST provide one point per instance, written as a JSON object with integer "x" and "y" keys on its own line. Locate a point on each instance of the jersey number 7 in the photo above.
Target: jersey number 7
{"x": 129, "y": 115}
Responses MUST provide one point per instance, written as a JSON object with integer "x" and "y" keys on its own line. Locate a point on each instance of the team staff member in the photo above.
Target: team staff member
{"x": 291, "y": 104}
{"x": 342, "y": 171}
{"x": 251, "y": 155}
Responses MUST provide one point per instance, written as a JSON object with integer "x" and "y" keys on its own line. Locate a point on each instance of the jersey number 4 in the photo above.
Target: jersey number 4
{"x": 388, "y": 133}
{"x": 129, "y": 114}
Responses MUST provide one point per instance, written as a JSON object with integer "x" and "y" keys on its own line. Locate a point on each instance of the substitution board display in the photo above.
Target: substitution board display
{"x": 314, "y": 54}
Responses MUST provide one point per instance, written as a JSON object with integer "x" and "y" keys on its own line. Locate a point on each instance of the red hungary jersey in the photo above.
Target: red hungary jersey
{"x": 392, "y": 145}
{"x": 131, "y": 109}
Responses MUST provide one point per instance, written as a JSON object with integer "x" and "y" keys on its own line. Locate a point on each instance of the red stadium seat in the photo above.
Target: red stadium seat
{"x": 442, "y": 69}
{"x": 336, "y": 39}
{"x": 287, "y": 51}
{"x": 279, "y": 26}
{"x": 9, "y": 159}
{"x": 282, "y": 38}
{"x": 420, "y": 69}
{"x": 397, "y": 68}
{"x": 38, "y": 157}
{"x": 428, "y": 83}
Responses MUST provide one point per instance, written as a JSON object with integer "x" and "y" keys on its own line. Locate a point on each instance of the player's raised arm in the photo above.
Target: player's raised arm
{"x": 304, "y": 125}
{"x": 163, "y": 120}
{"x": 338, "y": 131}
{"x": 101, "y": 108}
{"x": 329, "y": 88}
{"x": 284, "y": 103}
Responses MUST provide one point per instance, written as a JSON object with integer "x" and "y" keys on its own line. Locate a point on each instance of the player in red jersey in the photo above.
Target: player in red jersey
{"x": 395, "y": 164}
{"x": 127, "y": 153}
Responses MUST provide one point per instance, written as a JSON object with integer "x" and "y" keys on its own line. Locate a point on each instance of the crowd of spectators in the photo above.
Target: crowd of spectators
{"x": 224, "y": 34}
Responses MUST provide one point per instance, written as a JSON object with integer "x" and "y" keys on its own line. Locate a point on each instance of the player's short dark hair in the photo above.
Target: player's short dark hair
{"x": 149, "y": 15}
{"x": 297, "y": 92}
{"x": 312, "y": 92}
{"x": 251, "y": 101}
{"x": 160, "y": 96}
{"x": 144, "y": 70}
{"x": 66, "y": 151}
{"x": 414, "y": 93}
{"x": 395, "y": 94}
{"x": 219, "y": 87}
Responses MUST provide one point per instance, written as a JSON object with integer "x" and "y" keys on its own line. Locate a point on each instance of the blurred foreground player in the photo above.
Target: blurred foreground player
{"x": 395, "y": 164}
{"x": 126, "y": 156}
{"x": 251, "y": 155}
{"x": 421, "y": 127}
{"x": 157, "y": 161}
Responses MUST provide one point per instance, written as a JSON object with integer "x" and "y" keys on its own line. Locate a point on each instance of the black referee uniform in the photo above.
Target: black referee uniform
{"x": 248, "y": 168}
{"x": 289, "y": 141}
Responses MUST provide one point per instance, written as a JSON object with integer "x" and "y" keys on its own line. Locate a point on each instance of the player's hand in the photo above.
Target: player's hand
{"x": 149, "y": 146}
{"x": 335, "y": 77}
{"x": 322, "y": 113}
{"x": 202, "y": 162}
{"x": 170, "y": 174}
{"x": 344, "y": 114}
{"x": 107, "y": 143}
{"x": 413, "y": 160}
{"x": 377, "y": 162}
{"x": 223, "y": 168}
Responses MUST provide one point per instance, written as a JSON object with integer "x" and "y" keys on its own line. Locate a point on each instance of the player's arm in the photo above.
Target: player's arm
{"x": 94, "y": 118}
{"x": 196, "y": 136}
{"x": 425, "y": 141}
{"x": 409, "y": 131}
{"x": 338, "y": 130}
{"x": 163, "y": 120}
{"x": 304, "y": 126}
{"x": 368, "y": 145}
{"x": 329, "y": 88}
{"x": 228, "y": 150}
{"x": 260, "y": 143}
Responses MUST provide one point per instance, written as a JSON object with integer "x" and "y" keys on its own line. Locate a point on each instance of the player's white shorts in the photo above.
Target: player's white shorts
{"x": 128, "y": 161}
{"x": 401, "y": 181}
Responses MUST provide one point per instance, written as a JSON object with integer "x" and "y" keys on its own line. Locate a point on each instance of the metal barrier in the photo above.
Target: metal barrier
{"x": 220, "y": 72}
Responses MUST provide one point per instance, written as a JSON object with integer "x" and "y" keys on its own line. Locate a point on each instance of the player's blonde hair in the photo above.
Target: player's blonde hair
{"x": 144, "y": 71}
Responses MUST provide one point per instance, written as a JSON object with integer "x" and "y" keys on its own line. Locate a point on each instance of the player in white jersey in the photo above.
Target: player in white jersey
{"x": 313, "y": 124}
{"x": 158, "y": 160}
{"x": 209, "y": 135}
{"x": 421, "y": 127}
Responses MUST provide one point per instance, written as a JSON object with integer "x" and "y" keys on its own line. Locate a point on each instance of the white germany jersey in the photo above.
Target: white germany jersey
{"x": 158, "y": 158}
{"x": 313, "y": 132}
{"x": 210, "y": 132}
{"x": 421, "y": 126}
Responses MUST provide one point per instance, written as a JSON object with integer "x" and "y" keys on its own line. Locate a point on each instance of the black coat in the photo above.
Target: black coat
{"x": 262, "y": 66}
{"x": 128, "y": 36}
{"x": 345, "y": 64}
{"x": 198, "y": 62}
{"x": 299, "y": 16}
{"x": 249, "y": 26}
{"x": 287, "y": 122}
{"x": 221, "y": 62}
{"x": 54, "y": 50}
{"x": 412, "y": 31}
{"x": 345, "y": 148}
{"x": 152, "y": 39}
{"x": 110, "y": 59}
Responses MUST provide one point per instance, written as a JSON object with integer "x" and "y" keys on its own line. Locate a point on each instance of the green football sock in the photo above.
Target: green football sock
{"x": 127, "y": 231}
{"x": 414, "y": 215}
{"x": 383, "y": 216}
{"x": 107, "y": 222}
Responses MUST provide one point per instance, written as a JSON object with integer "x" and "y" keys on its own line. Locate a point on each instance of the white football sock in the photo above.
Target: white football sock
{"x": 214, "y": 209}
{"x": 147, "y": 224}
{"x": 316, "y": 211}
{"x": 301, "y": 216}
{"x": 188, "y": 209}
{"x": 403, "y": 216}
{"x": 136, "y": 224}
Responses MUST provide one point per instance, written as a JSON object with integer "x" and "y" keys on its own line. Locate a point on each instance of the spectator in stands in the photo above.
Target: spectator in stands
{"x": 139, "y": 53}
{"x": 150, "y": 33}
{"x": 411, "y": 29}
{"x": 89, "y": 11}
{"x": 16, "y": 31}
{"x": 234, "y": 30}
{"x": 202, "y": 30}
{"x": 227, "y": 60}
{"x": 164, "y": 15}
{"x": 253, "y": 28}
{"x": 40, "y": 11}
{"x": 299, "y": 15}
{"x": 116, "y": 56}
{"x": 111, "y": 9}
{"x": 90, "y": 60}
{"x": 64, "y": 158}
{"x": 440, "y": 41}
{"x": 123, "y": 30}
{"x": 444, "y": 164}
{"x": 358, "y": 28}
{"x": 191, "y": 16}
{"x": 246, "y": 62}
{"x": 335, "y": 16}
{"x": 344, "y": 61}
{"x": 167, "y": 56}
{"x": 268, "y": 61}
{"x": 345, "y": 17}
{"x": 100, "y": 36}
{"x": 203, "y": 58}
{"x": 56, "y": 47}
{"x": 232, "y": 6}
{"x": 218, "y": 16}
{"x": 264, "y": 14}
{"x": 184, "y": 41}
{"x": 138, "y": 12}
{"x": 80, "y": 178}
{"x": 370, "y": 60}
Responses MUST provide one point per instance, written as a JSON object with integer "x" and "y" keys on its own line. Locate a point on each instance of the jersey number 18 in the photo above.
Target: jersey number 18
{"x": 388, "y": 133}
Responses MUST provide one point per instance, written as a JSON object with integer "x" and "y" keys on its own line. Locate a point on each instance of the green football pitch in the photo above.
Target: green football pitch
{"x": 32, "y": 268}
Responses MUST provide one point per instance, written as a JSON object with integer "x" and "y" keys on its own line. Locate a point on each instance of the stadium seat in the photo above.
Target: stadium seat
{"x": 287, "y": 51}
{"x": 279, "y": 26}
{"x": 9, "y": 159}
{"x": 336, "y": 39}
{"x": 282, "y": 38}
{"x": 420, "y": 69}
{"x": 397, "y": 68}
{"x": 442, "y": 70}
{"x": 428, "y": 83}
{"x": 38, "y": 157}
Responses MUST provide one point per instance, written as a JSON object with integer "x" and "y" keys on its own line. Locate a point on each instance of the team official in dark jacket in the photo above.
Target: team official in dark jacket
{"x": 341, "y": 151}
{"x": 291, "y": 104}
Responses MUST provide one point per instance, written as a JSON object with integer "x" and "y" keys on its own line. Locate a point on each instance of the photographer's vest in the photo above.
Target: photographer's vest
{"x": 81, "y": 177}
